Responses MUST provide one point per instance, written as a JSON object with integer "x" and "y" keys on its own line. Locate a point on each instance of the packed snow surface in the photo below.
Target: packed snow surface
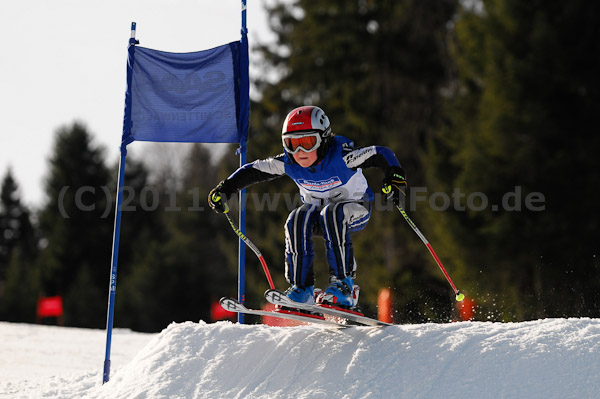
{"x": 552, "y": 358}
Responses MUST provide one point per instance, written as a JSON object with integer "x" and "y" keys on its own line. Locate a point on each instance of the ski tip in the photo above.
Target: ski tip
{"x": 274, "y": 295}
{"x": 231, "y": 304}
{"x": 226, "y": 299}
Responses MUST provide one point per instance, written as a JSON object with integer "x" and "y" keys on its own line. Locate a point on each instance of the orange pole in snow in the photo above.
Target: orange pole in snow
{"x": 384, "y": 306}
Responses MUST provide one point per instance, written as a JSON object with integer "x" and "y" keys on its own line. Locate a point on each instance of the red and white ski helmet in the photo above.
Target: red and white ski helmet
{"x": 307, "y": 119}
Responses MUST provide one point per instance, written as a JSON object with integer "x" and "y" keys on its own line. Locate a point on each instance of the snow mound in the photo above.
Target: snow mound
{"x": 554, "y": 358}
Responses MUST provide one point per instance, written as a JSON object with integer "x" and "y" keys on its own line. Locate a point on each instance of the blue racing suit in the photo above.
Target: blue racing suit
{"x": 336, "y": 202}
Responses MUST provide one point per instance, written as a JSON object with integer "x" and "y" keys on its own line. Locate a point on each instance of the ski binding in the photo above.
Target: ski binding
{"x": 279, "y": 298}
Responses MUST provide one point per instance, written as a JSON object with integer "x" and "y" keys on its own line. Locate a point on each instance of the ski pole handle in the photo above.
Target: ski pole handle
{"x": 459, "y": 297}
{"x": 253, "y": 248}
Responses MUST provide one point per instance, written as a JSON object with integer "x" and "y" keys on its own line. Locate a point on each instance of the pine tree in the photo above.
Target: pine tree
{"x": 76, "y": 229}
{"x": 522, "y": 118}
{"x": 18, "y": 250}
{"x": 15, "y": 224}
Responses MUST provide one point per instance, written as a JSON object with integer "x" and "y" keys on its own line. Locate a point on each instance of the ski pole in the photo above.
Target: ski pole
{"x": 252, "y": 247}
{"x": 459, "y": 297}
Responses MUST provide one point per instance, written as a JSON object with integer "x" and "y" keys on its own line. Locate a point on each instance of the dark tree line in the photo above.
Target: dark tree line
{"x": 171, "y": 265}
{"x": 490, "y": 106}
{"x": 482, "y": 101}
{"x": 521, "y": 115}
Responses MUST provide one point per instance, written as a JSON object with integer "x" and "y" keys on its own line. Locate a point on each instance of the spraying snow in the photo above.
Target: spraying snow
{"x": 553, "y": 358}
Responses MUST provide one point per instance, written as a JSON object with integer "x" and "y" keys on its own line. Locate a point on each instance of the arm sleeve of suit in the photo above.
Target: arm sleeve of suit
{"x": 255, "y": 172}
{"x": 369, "y": 157}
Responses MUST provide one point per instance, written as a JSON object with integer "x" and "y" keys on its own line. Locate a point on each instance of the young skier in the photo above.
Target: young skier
{"x": 335, "y": 194}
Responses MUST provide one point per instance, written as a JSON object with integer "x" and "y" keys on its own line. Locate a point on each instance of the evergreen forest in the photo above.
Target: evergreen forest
{"x": 489, "y": 105}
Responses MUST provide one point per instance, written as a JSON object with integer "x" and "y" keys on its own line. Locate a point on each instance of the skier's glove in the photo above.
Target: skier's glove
{"x": 394, "y": 184}
{"x": 218, "y": 200}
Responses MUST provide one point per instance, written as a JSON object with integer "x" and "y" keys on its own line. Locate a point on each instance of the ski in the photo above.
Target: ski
{"x": 277, "y": 297}
{"x": 233, "y": 305}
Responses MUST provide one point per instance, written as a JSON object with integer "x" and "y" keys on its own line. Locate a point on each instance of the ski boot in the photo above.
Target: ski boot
{"x": 343, "y": 293}
{"x": 301, "y": 294}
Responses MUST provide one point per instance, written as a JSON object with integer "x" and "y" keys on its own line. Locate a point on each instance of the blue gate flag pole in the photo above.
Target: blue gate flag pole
{"x": 112, "y": 287}
{"x": 113, "y": 269}
{"x": 243, "y": 127}
{"x": 197, "y": 97}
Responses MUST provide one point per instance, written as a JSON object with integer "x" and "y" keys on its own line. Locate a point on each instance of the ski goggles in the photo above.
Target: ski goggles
{"x": 308, "y": 142}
